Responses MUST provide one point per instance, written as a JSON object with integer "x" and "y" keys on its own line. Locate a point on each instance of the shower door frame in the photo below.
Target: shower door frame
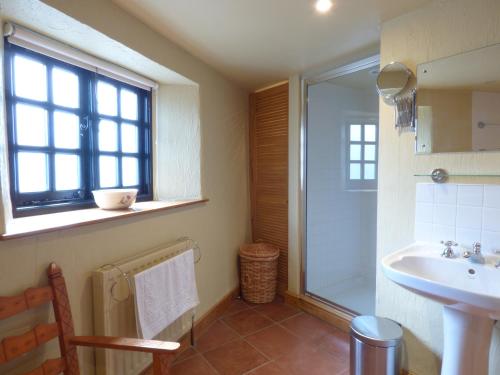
{"x": 307, "y": 80}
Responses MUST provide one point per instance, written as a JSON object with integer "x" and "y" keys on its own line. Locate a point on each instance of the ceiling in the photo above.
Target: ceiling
{"x": 259, "y": 42}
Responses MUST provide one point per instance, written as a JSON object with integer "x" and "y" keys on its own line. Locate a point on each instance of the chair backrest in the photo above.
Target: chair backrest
{"x": 14, "y": 346}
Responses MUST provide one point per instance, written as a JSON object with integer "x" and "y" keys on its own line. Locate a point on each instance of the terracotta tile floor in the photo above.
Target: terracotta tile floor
{"x": 271, "y": 339}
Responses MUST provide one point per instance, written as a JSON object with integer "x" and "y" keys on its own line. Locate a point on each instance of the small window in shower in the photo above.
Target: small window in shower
{"x": 361, "y": 156}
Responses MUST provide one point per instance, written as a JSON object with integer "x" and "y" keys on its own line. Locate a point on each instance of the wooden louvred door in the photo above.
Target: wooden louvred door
{"x": 269, "y": 172}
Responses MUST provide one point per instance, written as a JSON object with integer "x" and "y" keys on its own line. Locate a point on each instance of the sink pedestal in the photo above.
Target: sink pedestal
{"x": 470, "y": 295}
{"x": 467, "y": 339}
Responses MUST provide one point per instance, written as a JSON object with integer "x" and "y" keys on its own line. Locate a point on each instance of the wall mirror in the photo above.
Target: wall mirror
{"x": 458, "y": 103}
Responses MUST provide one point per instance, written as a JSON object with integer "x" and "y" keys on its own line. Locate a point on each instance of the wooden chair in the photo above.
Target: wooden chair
{"x": 15, "y": 346}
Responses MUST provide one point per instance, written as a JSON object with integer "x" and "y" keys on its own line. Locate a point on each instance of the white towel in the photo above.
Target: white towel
{"x": 163, "y": 293}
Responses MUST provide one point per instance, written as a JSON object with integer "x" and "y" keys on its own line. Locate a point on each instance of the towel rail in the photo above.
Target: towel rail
{"x": 191, "y": 244}
{"x": 114, "y": 310}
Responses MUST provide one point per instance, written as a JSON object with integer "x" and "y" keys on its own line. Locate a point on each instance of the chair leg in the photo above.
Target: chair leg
{"x": 161, "y": 363}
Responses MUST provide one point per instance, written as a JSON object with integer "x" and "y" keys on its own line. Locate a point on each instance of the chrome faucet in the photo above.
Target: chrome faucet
{"x": 475, "y": 256}
{"x": 448, "y": 251}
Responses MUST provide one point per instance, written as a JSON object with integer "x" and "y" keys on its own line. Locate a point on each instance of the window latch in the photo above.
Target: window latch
{"x": 84, "y": 125}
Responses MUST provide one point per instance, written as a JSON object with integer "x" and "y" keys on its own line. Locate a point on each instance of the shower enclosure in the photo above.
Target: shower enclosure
{"x": 340, "y": 186}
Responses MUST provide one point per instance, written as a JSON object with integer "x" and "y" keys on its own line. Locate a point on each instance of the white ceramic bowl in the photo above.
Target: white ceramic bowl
{"x": 114, "y": 199}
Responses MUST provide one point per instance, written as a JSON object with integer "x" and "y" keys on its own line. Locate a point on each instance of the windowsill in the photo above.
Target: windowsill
{"x": 33, "y": 225}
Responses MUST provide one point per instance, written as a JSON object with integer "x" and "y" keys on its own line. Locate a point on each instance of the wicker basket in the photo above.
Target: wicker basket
{"x": 259, "y": 272}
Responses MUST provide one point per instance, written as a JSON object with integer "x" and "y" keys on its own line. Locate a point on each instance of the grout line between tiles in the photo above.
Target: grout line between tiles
{"x": 282, "y": 320}
{"x": 243, "y": 338}
{"x": 232, "y": 329}
{"x": 273, "y": 323}
{"x": 225, "y": 315}
{"x": 189, "y": 357}
{"x": 292, "y": 333}
{"x": 260, "y": 329}
{"x": 209, "y": 364}
{"x": 258, "y": 351}
{"x": 258, "y": 367}
{"x": 239, "y": 338}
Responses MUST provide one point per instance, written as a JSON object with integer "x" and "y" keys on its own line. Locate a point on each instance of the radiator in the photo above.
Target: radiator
{"x": 114, "y": 311}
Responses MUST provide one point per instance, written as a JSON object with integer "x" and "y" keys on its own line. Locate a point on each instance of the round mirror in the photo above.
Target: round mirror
{"x": 392, "y": 80}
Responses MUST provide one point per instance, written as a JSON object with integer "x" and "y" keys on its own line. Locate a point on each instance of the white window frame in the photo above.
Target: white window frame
{"x": 362, "y": 183}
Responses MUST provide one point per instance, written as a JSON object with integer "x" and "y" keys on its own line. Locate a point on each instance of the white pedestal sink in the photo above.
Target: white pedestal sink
{"x": 470, "y": 293}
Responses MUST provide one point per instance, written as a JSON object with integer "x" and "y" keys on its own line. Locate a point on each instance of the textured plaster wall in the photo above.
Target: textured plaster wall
{"x": 440, "y": 29}
{"x": 219, "y": 226}
{"x": 178, "y": 142}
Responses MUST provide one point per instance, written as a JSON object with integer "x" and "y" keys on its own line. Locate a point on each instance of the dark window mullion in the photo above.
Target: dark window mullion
{"x": 145, "y": 145}
{"x": 50, "y": 129}
{"x": 118, "y": 118}
{"x": 132, "y": 154}
{"x": 141, "y": 138}
{"x": 20, "y": 148}
{"x": 85, "y": 124}
{"x": 94, "y": 134}
{"x": 119, "y": 135}
{"x": 46, "y": 105}
{"x": 110, "y": 153}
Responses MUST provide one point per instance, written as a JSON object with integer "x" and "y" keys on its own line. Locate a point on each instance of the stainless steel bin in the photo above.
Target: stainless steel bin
{"x": 375, "y": 346}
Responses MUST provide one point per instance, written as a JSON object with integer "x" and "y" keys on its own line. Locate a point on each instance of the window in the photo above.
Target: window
{"x": 71, "y": 131}
{"x": 362, "y": 156}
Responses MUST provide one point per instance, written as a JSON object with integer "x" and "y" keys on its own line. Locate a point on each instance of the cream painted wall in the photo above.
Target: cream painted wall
{"x": 442, "y": 28}
{"x": 219, "y": 226}
{"x": 178, "y": 142}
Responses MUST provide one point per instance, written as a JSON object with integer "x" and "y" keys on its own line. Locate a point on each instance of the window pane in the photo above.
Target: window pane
{"x": 108, "y": 135}
{"x": 66, "y": 130}
{"x": 32, "y": 172}
{"x": 107, "y": 99}
{"x": 67, "y": 172}
{"x": 370, "y": 152}
{"x": 355, "y": 133}
{"x": 108, "y": 171}
{"x": 30, "y": 78}
{"x": 355, "y": 171}
{"x": 130, "y": 171}
{"x": 130, "y": 138}
{"x": 355, "y": 153}
{"x": 370, "y": 133}
{"x": 65, "y": 88}
{"x": 128, "y": 104}
{"x": 369, "y": 172}
{"x": 31, "y": 125}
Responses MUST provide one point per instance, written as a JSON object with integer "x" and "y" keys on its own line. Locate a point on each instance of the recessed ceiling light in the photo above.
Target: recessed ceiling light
{"x": 323, "y": 6}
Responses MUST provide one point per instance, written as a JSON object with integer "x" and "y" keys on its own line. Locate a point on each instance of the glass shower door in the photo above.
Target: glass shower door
{"x": 341, "y": 190}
